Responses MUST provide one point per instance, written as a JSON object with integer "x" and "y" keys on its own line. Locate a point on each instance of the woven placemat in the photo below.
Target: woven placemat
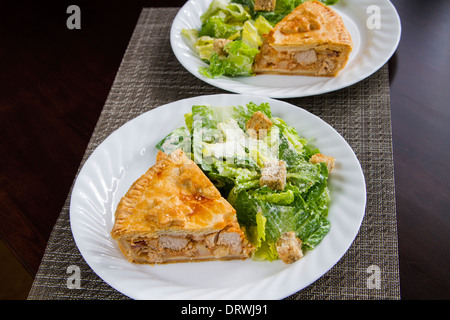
{"x": 150, "y": 76}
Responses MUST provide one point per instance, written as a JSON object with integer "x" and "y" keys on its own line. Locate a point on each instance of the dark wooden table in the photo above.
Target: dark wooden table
{"x": 54, "y": 82}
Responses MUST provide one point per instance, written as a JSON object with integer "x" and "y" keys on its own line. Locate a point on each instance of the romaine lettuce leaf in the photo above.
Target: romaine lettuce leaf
{"x": 216, "y": 115}
{"x": 257, "y": 235}
{"x": 290, "y": 133}
{"x": 232, "y": 12}
{"x": 191, "y": 37}
{"x": 216, "y": 27}
{"x": 217, "y": 134}
{"x": 313, "y": 233}
{"x": 250, "y": 35}
{"x": 204, "y": 131}
{"x": 287, "y": 152}
{"x": 245, "y": 113}
{"x": 258, "y": 232}
{"x": 267, "y": 251}
{"x": 230, "y": 180}
{"x": 178, "y": 139}
{"x": 282, "y": 8}
{"x": 214, "y": 8}
{"x": 204, "y": 46}
{"x": 236, "y": 13}
{"x": 329, "y": 2}
{"x": 266, "y": 194}
{"x": 232, "y": 175}
{"x": 238, "y": 61}
{"x": 248, "y": 206}
{"x": 262, "y": 26}
{"x": 308, "y": 221}
{"x": 304, "y": 174}
{"x": 189, "y": 120}
{"x": 249, "y": 6}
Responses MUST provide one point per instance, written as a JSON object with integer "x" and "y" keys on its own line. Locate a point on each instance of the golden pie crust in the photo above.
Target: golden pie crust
{"x": 312, "y": 40}
{"x": 173, "y": 213}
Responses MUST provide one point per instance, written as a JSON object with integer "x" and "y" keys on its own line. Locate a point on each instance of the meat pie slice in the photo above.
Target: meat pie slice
{"x": 173, "y": 213}
{"x": 312, "y": 40}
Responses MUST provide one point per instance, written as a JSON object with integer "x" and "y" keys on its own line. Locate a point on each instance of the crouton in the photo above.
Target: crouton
{"x": 258, "y": 125}
{"x": 289, "y": 247}
{"x": 219, "y": 45}
{"x": 273, "y": 175}
{"x": 265, "y": 5}
{"x": 317, "y": 158}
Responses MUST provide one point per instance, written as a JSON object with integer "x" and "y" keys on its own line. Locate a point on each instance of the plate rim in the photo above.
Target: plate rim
{"x": 119, "y": 286}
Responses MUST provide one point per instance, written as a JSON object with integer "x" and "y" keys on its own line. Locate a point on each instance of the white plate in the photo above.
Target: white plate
{"x": 372, "y": 49}
{"x": 128, "y": 152}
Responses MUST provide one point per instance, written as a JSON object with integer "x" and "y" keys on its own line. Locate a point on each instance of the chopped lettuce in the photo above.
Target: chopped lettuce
{"x": 250, "y": 35}
{"x": 217, "y": 140}
{"x": 238, "y": 61}
{"x": 178, "y": 139}
{"x": 282, "y": 8}
{"x": 266, "y": 194}
{"x": 291, "y": 134}
{"x": 204, "y": 46}
{"x": 223, "y": 19}
{"x": 216, "y": 27}
{"x": 262, "y": 26}
{"x": 232, "y": 12}
{"x": 238, "y": 40}
{"x": 329, "y": 2}
{"x": 191, "y": 36}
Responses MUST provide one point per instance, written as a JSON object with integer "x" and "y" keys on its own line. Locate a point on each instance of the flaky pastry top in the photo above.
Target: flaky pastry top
{"x": 310, "y": 25}
{"x": 173, "y": 197}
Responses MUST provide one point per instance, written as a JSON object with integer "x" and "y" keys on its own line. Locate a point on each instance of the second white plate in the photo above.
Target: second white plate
{"x": 373, "y": 24}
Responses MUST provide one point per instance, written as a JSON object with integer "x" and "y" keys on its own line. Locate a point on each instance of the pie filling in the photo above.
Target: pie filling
{"x": 312, "y": 61}
{"x": 224, "y": 244}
